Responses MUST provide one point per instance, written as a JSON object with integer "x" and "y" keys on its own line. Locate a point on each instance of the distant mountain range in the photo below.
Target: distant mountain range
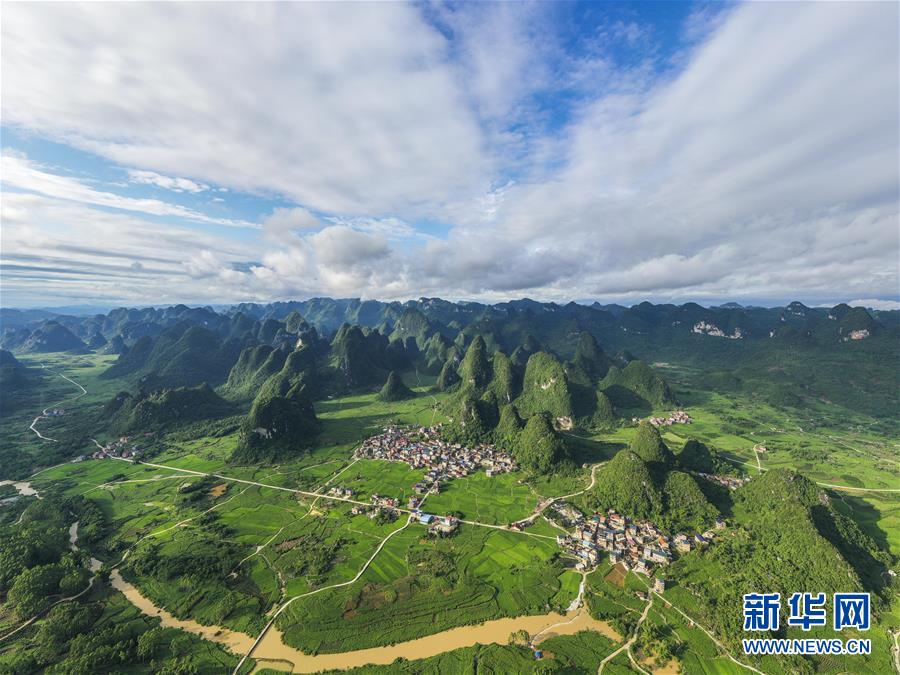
{"x": 416, "y": 317}
{"x": 797, "y": 351}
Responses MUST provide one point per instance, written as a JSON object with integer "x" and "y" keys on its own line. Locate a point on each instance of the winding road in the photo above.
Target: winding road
{"x": 319, "y": 590}
{"x": 627, "y": 646}
{"x": 827, "y": 485}
{"x": 543, "y": 507}
{"x": 44, "y": 415}
{"x": 94, "y": 567}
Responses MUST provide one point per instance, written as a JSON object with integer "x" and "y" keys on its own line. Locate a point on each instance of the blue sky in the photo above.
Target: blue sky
{"x": 616, "y": 151}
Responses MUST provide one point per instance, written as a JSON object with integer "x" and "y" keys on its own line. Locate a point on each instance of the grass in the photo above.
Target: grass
{"x": 497, "y": 574}
{"x": 497, "y": 500}
{"x": 493, "y": 573}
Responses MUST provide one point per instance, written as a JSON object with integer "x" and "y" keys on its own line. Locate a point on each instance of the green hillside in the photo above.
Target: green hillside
{"x": 641, "y": 482}
{"x": 649, "y": 446}
{"x": 394, "y": 389}
{"x": 163, "y": 409}
{"x": 183, "y": 356}
{"x": 277, "y": 428}
{"x": 636, "y": 385}
{"x": 475, "y": 368}
{"x": 546, "y": 389}
{"x": 255, "y": 365}
{"x": 789, "y": 538}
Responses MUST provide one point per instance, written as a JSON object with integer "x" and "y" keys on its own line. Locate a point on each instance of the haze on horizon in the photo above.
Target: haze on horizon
{"x": 215, "y": 153}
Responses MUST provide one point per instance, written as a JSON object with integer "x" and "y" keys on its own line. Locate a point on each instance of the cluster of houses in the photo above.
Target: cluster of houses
{"x": 54, "y": 412}
{"x": 379, "y": 504}
{"x": 677, "y": 417}
{"x": 731, "y": 482}
{"x": 119, "y": 448}
{"x": 340, "y": 492}
{"x": 439, "y": 526}
{"x": 385, "y": 502}
{"x": 637, "y": 545}
{"x": 422, "y": 448}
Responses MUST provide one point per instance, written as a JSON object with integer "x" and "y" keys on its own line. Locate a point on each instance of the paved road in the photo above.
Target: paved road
{"x": 552, "y": 501}
{"x": 319, "y": 495}
{"x": 709, "y": 634}
{"x": 61, "y": 600}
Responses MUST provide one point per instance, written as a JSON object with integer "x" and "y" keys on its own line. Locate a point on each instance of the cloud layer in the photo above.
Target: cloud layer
{"x": 486, "y": 154}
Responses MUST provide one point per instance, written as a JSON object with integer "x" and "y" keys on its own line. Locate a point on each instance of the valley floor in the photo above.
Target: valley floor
{"x": 265, "y": 565}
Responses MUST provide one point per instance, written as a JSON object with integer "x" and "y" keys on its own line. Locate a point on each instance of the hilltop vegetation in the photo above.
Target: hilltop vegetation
{"x": 50, "y": 336}
{"x": 394, "y": 389}
{"x": 15, "y": 380}
{"x": 165, "y": 408}
{"x": 572, "y": 394}
{"x": 636, "y": 385}
{"x": 183, "y": 356}
{"x": 789, "y": 539}
{"x": 536, "y": 383}
{"x": 254, "y": 367}
{"x": 649, "y": 446}
{"x": 546, "y": 389}
{"x": 278, "y": 427}
{"x": 644, "y": 481}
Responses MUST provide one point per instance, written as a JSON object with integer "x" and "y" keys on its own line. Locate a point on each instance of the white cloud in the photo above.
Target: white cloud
{"x": 779, "y": 137}
{"x": 341, "y": 246}
{"x": 177, "y": 184}
{"x": 20, "y": 172}
{"x": 323, "y": 103}
{"x": 765, "y": 165}
{"x": 54, "y": 250}
{"x": 283, "y": 224}
{"x": 874, "y": 303}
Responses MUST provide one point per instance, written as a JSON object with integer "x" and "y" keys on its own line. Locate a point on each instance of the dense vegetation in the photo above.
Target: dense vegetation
{"x": 791, "y": 539}
{"x": 15, "y": 380}
{"x": 310, "y": 379}
{"x": 277, "y": 427}
{"x": 644, "y": 481}
{"x": 635, "y": 386}
{"x": 168, "y": 408}
{"x": 394, "y": 389}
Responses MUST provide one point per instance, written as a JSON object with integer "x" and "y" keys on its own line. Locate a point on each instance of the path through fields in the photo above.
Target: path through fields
{"x": 319, "y": 495}
{"x": 828, "y": 485}
{"x": 44, "y": 414}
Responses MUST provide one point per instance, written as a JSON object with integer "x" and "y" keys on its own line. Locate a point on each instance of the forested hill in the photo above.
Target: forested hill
{"x": 836, "y": 353}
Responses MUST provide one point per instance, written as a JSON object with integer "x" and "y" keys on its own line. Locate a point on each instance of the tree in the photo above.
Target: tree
{"x": 32, "y": 588}
{"x": 150, "y": 643}
{"x": 539, "y": 448}
{"x": 448, "y": 377}
{"x": 394, "y": 389}
{"x": 475, "y": 369}
{"x": 649, "y": 446}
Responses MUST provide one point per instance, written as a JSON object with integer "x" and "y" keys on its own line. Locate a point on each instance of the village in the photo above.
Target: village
{"x": 387, "y": 508}
{"x": 423, "y": 448}
{"x": 677, "y": 417}
{"x": 636, "y": 545}
{"x": 120, "y": 448}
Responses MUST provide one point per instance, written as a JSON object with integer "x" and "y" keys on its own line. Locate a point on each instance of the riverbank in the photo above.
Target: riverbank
{"x": 274, "y": 653}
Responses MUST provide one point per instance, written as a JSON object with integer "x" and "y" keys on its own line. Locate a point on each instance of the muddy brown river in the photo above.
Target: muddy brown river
{"x": 272, "y": 652}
